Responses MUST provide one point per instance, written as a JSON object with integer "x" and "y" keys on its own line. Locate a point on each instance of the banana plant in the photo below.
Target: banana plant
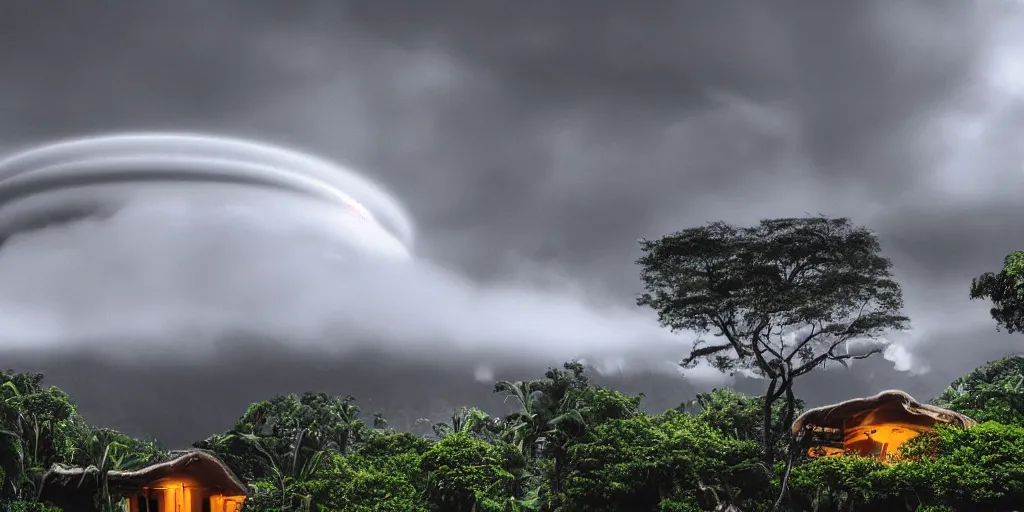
{"x": 521, "y": 427}
{"x": 104, "y": 453}
{"x": 293, "y": 468}
{"x": 12, "y": 454}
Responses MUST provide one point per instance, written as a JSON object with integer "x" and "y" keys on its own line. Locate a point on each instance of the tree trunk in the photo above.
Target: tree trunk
{"x": 785, "y": 479}
{"x": 788, "y": 410}
{"x": 343, "y": 441}
{"x": 790, "y": 406}
{"x": 768, "y": 438}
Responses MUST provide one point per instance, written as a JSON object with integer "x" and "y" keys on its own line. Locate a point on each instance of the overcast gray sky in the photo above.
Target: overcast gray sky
{"x": 531, "y": 139}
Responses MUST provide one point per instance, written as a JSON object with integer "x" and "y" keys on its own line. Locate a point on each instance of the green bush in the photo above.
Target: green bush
{"x": 26, "y": 506}
{"x": 851, "y": 483}
{"x": 980, "y": 466}
{"x": 646, "y": 462}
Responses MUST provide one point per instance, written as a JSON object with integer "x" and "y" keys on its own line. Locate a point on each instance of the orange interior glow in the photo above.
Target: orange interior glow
{"x": 880, "y": 440}
{"x": 185, "y": 495}
{"x": 877, "y": 426}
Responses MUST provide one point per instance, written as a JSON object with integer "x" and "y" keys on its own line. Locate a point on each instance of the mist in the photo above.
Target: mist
{"x": 167, "y": 255}
{"x": 156, "y": 277}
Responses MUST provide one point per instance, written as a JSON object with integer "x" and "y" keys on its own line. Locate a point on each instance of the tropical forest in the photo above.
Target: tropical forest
{"x": 779, "y": 299}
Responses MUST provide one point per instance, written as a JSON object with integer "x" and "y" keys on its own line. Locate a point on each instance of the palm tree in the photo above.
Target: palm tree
{"x": 549, "y": 416}
{"x": 470, "y": 420}
{"x": 340, "y": 419}
{"x": 521, "y": 426}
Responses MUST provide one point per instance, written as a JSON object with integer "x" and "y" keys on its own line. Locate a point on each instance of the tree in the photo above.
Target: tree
{"x": 1006, "y": 291}
{"x": 104, "y": 450}
{"x": 310, "y": 424}
{"x": 288, "y": 473}
{"x": 545, "y": 409}
{"x": 470, "y": 420}
{"x": 38, "y": 427}
{"x": 354, "y": 483}
{"x": 465, "y": 473}
{"x": 550, "y": 414}
{"x": 781, "y": 298}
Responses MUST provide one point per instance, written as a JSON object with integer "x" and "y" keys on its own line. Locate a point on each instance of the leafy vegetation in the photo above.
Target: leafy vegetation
{"x": 784, "y": 295}
{"x": 568, "y": 446}
{"x": 1005, "y": 290}
{"x": 993, "y": 392}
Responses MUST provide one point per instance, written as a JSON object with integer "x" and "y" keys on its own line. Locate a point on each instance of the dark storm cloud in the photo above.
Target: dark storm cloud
{"x": 951, "y": 243}
{"x": 582, "y": 113}
{"x": 628, "y": 107}
{"x": 542, "y": 139}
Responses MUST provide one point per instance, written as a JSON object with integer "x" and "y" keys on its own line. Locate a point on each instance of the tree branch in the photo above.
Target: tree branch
{"x": 697, "y": 353}
{"x": 810, "y": 337}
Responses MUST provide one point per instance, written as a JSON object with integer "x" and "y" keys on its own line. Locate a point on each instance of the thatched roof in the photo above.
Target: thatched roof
{"x": 200, "y": 464}
{"x": 893, "y": 401}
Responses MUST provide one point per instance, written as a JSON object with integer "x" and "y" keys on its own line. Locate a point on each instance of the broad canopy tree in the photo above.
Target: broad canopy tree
{"x": 779, "y": 298}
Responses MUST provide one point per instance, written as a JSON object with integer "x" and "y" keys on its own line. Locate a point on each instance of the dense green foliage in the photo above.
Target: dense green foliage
{"x": 567, "y": 446}
{"x": 993, "y": 392}
{"x": 40, "y": 427}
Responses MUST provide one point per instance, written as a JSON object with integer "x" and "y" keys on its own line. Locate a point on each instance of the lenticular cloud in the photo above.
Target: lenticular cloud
{"x": 166, "y": 244}
{"x": 99, "y": 175}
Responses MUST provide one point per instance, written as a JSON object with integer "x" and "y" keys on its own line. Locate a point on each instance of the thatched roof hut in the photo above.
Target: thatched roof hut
{"x": 873, "y": 426}
{"x": 195, "y": 480}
